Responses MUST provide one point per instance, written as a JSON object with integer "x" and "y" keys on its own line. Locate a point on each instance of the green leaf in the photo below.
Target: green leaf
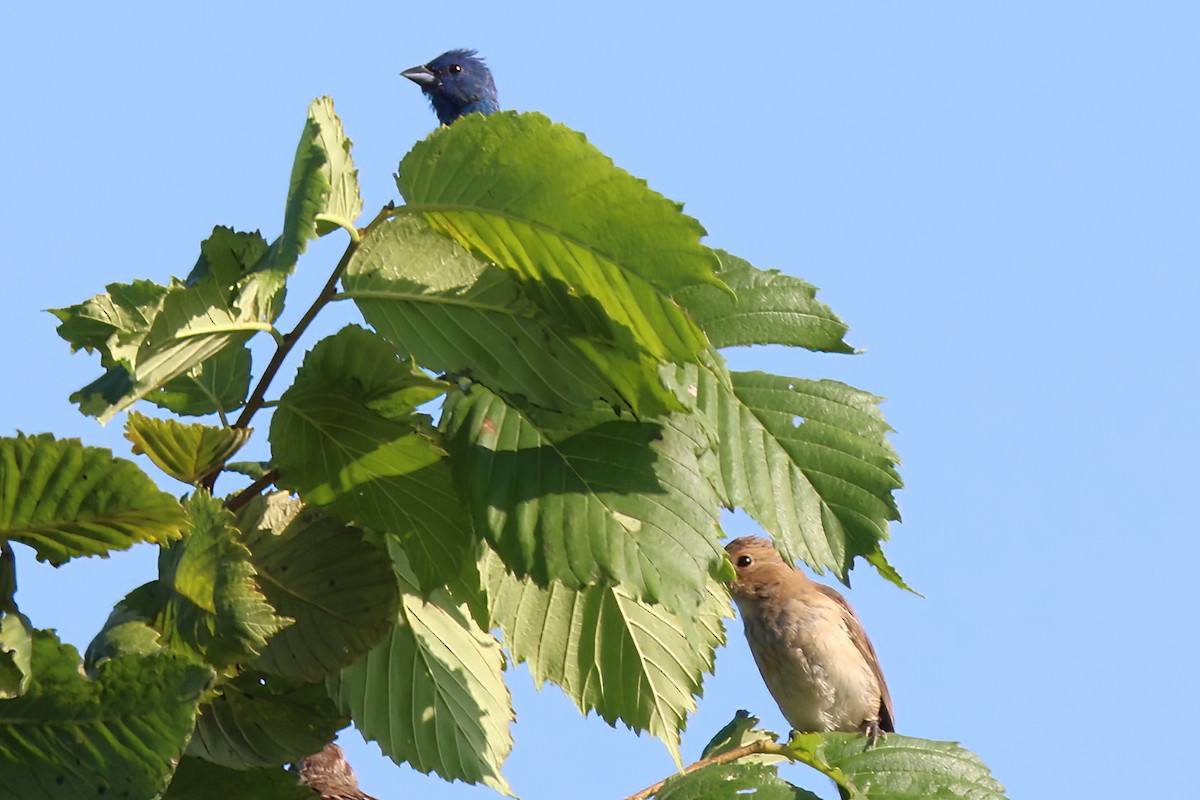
{"x": 323, "y": 186}
{"x": 197, "y": 779}
{"x": 808, "y": 460}
{"x": 206, "y": 600}
{"x": 587, "y": 498}
{"x": 117, "y": 736}
{"x": 769, "y": 308}
{"x": 127, "y": 631}
{"x": 16, "y": 649}
{"x": 457, "y": 314}
{"x": 16, "y": 634}
{"x": 262, "y": 720}
{"x": 128, "y": 307}
{"x": 524, "y": 167}
{"x": 191, "y": 325}
{"x": 740, "y": 731}
{"x": 591, "y": 246}
{"x": 187, "y": 453}
{"x": 899, "y": 767}
{"x": 433, "y": 693}
{"x": 338, "y": 588}
{"x": 228, "y": 257}
{"x": 624, "y": 659}
{"x": 66, "y": 500}
{"x": 347, "y": 438}
{"x": 149, "y": 335}
{"x": 736, "y": 781}
{"x": 254, "y": 470}
{"x": 218, "y": 384}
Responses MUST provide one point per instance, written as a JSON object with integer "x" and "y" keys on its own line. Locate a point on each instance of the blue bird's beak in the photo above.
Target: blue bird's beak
{"x": 420, "y": 76}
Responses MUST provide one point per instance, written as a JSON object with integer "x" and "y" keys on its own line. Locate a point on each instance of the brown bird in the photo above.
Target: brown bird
{"x": 328, "y": 773}
{"x": 810, "y": 647}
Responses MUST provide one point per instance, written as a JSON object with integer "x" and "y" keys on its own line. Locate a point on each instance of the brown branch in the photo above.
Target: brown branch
{"x": 250, "y": 492}
{"x": 758, "y": 747}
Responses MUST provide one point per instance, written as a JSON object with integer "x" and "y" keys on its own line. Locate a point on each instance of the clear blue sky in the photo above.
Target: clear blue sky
{"x": 1000, "y": 198}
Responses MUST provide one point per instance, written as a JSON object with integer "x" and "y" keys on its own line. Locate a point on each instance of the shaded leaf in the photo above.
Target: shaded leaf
{"x": 187, "y": 453}
{"x": 740, "y": 731}
{"x": 338, "y": 588}
{"x": 587, "y": 498}
{"x": 433, "y": 693}
{"x": 262, "y": 720}
{"x": 624, "y": 659}
{"x": 343, "y": 441}
{"x": 736, "y": 781}
{"x": 65, "y": 500}
{"x": 117, "y": 736}
{"x": 197, "y": 779}
{"x": 768, "y": 307}
{"x": 206, "y": 600}
{"x": 217, "y": 384}
{"x": 251, "y": 469}
{"x": 127, "y": 631}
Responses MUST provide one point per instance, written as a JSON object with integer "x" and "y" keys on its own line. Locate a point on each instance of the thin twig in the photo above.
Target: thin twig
{"x": 250, "y": 492}
{"x": 757, "y": 747}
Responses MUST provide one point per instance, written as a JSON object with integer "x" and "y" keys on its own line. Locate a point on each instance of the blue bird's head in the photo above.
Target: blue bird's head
{"x": 457, "y": 83}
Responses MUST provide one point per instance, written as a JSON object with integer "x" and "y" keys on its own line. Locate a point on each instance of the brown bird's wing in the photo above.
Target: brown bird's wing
{"x": 329, "y": 774}
{"x": 887, "y": 717}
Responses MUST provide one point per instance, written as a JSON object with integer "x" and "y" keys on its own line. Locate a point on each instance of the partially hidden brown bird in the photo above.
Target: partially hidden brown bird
{"x": 328, "y": 773}
{"x": 810, "y": 647}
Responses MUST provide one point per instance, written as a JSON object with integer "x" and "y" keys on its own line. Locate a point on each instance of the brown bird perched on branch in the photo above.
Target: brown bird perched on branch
{"x": 810, "y": 647}
{"x": 328, "y": 773}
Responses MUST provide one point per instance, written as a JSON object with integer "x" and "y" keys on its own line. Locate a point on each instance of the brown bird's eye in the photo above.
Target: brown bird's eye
{"x": 744, "y": 561}
{"x": 456, "y": 68}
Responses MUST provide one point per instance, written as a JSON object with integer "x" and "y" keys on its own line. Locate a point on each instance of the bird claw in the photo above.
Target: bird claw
{"x": 870, "y": 729}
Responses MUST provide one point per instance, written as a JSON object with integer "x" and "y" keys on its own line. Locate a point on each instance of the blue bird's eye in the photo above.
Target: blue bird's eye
{"x": 456, "y": 68}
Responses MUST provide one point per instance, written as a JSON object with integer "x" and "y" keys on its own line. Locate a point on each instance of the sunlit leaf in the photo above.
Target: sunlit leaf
{"x": 185, "y": 452}
{"x": 624, "y": 659}
{"x": 433, "y": 694}
{"x": 900, "y": 767}
{"x": 343, "y": 441}
{"x": 768, "y": 307}
{"x": 65, "y": 500}
{"x": 808, "y": 460}
{"x": 455, "y": 313}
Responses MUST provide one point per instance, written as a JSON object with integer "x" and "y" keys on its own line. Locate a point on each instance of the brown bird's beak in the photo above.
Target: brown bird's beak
{"x": 422, "y": 76}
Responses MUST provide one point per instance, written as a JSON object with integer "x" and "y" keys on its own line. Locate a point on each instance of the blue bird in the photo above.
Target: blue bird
{"x": 456, "y": 83}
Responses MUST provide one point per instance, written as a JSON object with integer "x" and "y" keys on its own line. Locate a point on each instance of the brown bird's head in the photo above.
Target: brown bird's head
{"x": 761, "y": 571}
